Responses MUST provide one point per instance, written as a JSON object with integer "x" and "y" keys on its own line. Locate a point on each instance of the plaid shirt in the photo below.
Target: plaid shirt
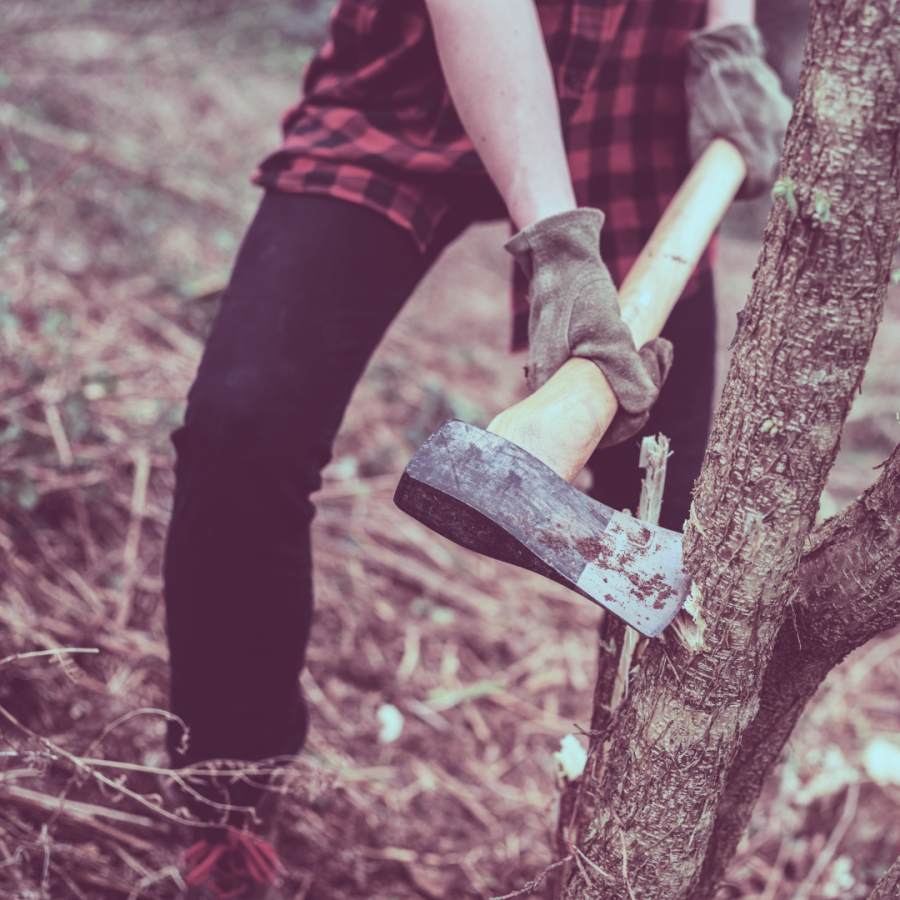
{"x": 376, "y": 125}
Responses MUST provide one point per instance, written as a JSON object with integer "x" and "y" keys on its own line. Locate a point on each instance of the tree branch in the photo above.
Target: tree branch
{"x": 849, "y": 591}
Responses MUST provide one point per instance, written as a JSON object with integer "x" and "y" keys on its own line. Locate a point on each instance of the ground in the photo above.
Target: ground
{"x": 127, "y": 133}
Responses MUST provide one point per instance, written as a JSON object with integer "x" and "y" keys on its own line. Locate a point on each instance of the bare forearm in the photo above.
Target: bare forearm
{"x": 499, "y": 77}
{"x": 730, "y": 12}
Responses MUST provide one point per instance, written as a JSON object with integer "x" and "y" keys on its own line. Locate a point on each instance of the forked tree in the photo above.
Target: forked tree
{"x": 677, "y": 766}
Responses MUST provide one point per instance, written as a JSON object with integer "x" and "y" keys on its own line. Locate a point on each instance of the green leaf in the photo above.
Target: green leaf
{"x": 785, "y": 188}
{"x": 895, "y": 276}
{"x": 822, "y": 206}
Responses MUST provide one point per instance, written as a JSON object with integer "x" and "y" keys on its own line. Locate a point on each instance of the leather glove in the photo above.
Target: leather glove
{"x": 733, "y": 93}
{"x": 575, "y": 312}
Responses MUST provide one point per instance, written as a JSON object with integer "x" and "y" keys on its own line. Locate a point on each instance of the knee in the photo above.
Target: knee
{"x": 250, "y": 417}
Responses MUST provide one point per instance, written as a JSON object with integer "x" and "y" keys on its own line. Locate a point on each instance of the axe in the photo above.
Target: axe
{"x": 487, "y": 492}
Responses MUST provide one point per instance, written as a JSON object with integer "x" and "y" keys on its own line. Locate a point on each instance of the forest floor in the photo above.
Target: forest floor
{"x": 127, "y": 134}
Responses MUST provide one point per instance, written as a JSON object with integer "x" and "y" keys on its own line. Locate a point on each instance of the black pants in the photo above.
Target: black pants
{"x": 316, "y": 284}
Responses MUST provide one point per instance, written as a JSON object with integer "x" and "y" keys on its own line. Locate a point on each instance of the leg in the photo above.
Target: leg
{"x": 316, "y": 284}
{"x": 683, "y": 413}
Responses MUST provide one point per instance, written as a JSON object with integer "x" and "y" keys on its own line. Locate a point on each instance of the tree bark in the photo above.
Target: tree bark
{"x": 888, "y": 888}
{"x": 675, "y": 771}
{"x": 849, "y": 591}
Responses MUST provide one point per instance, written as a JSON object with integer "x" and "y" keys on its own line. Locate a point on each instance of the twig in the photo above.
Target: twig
{"x": 115, "y": 785}
{"x": 131, "y": 862}
{"x": 462, "y": 792}
{"x": 776, "y": 875}
{"x": 111, "y": 882}
{"x": 141, "y": 459}
{"x": 125, "y": 717}
{"x": 82, "y": 813}
{"x": 654, "y": 454}
{"x": 130, "y": 561}
{"x": 71, "y": 885}
{"x": 74, "y": 808}
{"x": 468, "y": 597}
{"x": 590, "y": 862}
{"x": 118, "y": 152}
{"x": 584, "y": 873}
{"x": 73, "y": 778}
{"x": 179, "y": 339}
{"x": 317, "y": 697}
{"x": 305, "y": 885}
{"x": 653, "y": 458}
{"x": 356, "y": 487}
{"x": 831, "y": 845}
{"x": 54, "y": 652}
{"x": 72, "y": 163}
{"x": 621, "y": 827}
{"x": 87, "y": 593}
{"x": 411, "y": 650}
{"x": 152, "y": 877}
{"x": 58, "y": 432}
{"x": 531, "y": 886}
{"x": 526, "y": 710}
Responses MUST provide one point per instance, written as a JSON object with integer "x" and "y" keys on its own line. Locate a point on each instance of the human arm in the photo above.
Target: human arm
{"x": 497, "y": 71}
{"x": 499, "y": 77}
{"x": 734, "y": 94}
{"x": 720, "y": 13}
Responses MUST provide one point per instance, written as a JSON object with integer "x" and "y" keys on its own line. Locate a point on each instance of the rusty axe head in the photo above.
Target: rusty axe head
{"x": 489, "y": 495}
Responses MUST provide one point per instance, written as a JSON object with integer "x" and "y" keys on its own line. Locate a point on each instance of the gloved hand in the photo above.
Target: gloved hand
{"x": 575, "y": 312}
{"x": 734, "y": 94}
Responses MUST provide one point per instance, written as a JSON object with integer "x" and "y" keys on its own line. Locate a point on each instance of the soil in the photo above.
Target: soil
{"x": 113, "y": 250}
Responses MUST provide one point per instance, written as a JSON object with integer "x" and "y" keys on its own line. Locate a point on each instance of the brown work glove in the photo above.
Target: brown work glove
{"x": 575, "y": 312}
{"x": 734, "y": 94}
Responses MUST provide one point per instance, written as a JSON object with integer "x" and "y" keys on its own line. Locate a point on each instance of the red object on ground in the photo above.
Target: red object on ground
{"x": 234, "y": 866}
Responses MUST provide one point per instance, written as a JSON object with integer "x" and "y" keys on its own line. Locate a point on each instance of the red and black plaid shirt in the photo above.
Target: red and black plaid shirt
{"x": 376, "y": 125}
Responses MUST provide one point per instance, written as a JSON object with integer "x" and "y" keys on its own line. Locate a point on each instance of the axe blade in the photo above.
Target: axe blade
{"x": 489, "y": 495}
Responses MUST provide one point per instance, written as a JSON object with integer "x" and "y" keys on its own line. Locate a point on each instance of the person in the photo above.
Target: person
{"x": 575, "y": 119}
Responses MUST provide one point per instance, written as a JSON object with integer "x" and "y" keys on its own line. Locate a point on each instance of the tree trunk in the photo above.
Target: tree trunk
{"x": 849, "y": 592}
{"x": 888, "y": 888}
{"x": 677, "y": 787}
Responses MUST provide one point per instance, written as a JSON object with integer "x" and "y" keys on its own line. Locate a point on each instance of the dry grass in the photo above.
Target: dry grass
{"x": 124, "y": 149}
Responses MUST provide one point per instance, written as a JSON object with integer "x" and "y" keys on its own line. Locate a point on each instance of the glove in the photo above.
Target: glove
{"x": 575, "y": 312}
{"x": 734, "y": 94}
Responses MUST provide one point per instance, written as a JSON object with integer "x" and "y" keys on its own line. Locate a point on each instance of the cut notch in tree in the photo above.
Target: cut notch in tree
{"x": 620, "y": 647}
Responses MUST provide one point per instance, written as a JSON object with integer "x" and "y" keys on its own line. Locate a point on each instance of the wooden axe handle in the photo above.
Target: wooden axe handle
{"x": 660, "y": 273}
{"x": 562, "y": 422}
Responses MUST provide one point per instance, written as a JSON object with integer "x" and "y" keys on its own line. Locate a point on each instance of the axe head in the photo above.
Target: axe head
{"x": 489, "y": 495}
